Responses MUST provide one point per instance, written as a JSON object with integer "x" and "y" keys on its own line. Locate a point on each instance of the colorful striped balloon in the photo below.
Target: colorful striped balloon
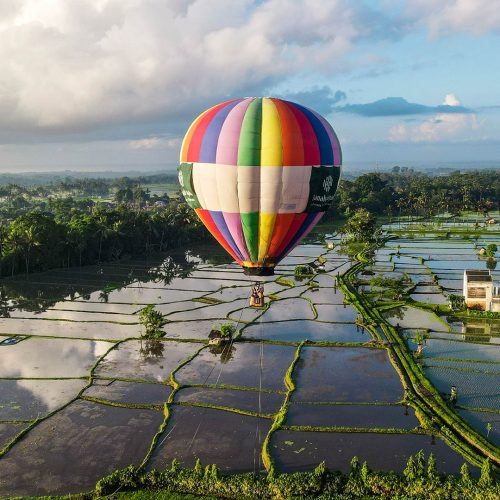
{"x": 260, "y": 173}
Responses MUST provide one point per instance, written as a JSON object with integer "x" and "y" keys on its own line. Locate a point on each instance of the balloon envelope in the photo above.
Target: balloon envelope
{"x": 260, "y": 173}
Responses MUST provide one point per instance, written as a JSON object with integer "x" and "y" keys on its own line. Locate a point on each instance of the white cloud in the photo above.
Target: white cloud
{"x": 154, "y": 143}
{"x": 456, "y": 16}
{"x": 84, "y": 64}
{"x": 451, "y": 100}
{"x": 441, "y": 127}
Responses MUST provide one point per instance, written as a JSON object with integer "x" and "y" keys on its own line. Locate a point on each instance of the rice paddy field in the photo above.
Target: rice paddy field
{"x": 457, "y": 351}
{"x": 82, "y": 392}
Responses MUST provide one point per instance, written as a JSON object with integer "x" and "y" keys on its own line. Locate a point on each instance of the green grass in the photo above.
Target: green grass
{"x": 159, "y": 495}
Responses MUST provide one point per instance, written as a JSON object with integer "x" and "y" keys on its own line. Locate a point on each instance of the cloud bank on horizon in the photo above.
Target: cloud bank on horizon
{"x": 115, "y": 83}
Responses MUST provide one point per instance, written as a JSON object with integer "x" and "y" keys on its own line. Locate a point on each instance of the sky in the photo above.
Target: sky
{"x": 114, "y": 84}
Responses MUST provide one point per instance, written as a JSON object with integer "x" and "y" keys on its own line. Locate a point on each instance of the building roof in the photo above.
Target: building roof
{"x": 478, "y": 275}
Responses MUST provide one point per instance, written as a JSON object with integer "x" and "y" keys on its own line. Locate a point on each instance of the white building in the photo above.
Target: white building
{"x": 479, "y": 292}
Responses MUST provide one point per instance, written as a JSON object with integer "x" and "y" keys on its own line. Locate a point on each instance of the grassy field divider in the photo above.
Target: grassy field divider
{"x": 356, "y": 430}
{"x": 281, "y": 280}
{"x": 117, "y": 404}
{"x": 233, "y": 387}
{"x": 280, "y": 417}
{"x": 229, "y": 409}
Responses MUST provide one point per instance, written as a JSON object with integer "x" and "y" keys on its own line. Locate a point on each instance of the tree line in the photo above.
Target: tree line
{"x": 417, "y": 194}
{"x": 18, "y": 198}
{"x": 68, "y": 236}
{"x": 64, "y": 231}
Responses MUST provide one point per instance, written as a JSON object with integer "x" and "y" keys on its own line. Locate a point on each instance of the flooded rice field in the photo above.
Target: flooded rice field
{"x": 83, "y": 391}
{"x": 456, "y": 351}
{"x": 297, "y": 451}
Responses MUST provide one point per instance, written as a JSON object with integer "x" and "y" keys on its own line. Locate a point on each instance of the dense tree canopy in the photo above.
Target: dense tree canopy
{"x": 38, "y": 240}
{"x": 410, "y": 193}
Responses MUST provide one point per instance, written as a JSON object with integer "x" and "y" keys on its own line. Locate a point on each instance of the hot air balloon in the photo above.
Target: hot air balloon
{"x": 260, "y": 172}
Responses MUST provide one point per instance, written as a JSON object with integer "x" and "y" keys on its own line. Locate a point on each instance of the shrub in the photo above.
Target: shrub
{"x": 152, "y": 320}
{"x": 491, "y": 249}
{"x": 227, "y": 330}
{"x": 486, "y": 478}
{"x": 303, "y": 270}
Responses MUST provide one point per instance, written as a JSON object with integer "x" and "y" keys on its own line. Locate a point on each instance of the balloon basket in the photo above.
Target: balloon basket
{"x": 258, "y": 271}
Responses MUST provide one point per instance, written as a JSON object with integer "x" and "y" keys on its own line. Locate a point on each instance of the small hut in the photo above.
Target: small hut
{"x": 215, "y": 337}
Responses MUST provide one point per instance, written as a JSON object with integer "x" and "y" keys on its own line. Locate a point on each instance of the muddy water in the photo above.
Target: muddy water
{"x": 9, "y": 431}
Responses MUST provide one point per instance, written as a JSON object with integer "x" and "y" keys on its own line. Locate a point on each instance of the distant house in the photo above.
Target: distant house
{"x": 479, "y": 291}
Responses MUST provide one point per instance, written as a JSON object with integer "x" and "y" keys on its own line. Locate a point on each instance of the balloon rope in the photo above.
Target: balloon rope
{"x": 218, "y": 377}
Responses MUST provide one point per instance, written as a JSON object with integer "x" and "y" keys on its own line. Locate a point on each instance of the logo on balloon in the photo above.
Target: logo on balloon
{"x": 328, "y": 183}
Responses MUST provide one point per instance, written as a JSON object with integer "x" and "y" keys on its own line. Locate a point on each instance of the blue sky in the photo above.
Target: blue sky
{"x": 114, "y": 84}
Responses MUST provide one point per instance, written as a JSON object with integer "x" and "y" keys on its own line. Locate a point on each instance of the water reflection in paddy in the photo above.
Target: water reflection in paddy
{"x": 346, "y": 374}
{"x": 411, "y": 317}
{"x": 78, "y": 316}
{"x": 208, "y": 311}
{"x": 56, "y": 328}
{"x": 481, "y": 420}
{"x": 461, "y": 350}
{"x": 41, "y": 357}
{"x": 145, "y": 359}
{"x": 477, "y": 390}
{"x": 192, "y": 329}
{"x": 325, "y": 295}
{"x": 293, "y": 331}
{"x": 30, "y": 399}
{"x": 340, "y": 415}
{"x": 296, "y": 451}
{"x": 322, "y": 374}
{"x": 293, "y": 291}
{"x": 96, "y": 439}
{"x": 291, "y": 309}
{"x": 240, "y": 366}
{"x": 230, "y": 440}
{"x": 429, "y": 298}
{"x": 130, "y": 392}
{"x": 336, "y": 313}
{"x": 255, "y": 401}
{"x": 101, "y": 307}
